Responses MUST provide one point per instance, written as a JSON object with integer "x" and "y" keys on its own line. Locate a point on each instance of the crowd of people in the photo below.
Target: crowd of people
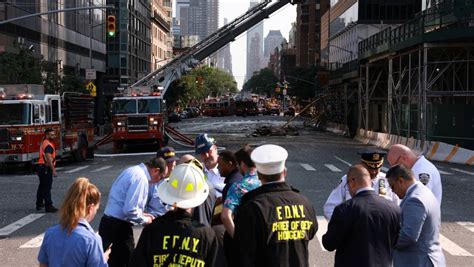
{"x": 236, "y": 209}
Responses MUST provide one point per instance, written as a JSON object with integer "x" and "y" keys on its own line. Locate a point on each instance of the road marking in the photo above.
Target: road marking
{"x": 219, "y": 148}
{"x": 103, "y": 168}
{"x": 446, "y": 173}
{"x": 34, "y": 242}
{"x": 463, "y": 171}
{"x": 59, "y": 168}
{"x": 322, "y": 229}
{"x": 384, "y": 169}
{"x": 7, "y": 230}
{"x": 332, "y": 168}
{"x": 468, "y": 225}
{"x": 307, "y": 167}
{"x": 77, "y": 169}
{"x": 343, "y": 161}
{"x": 452, "y": 248}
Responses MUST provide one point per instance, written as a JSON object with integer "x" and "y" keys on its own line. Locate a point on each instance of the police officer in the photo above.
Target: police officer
{"x": 274, "y": 222}
{"x": 173, "y": 239}
{"x": 373, "y": 160}
{"x": 425, "y": 171}
{"x": 46, "y": 171}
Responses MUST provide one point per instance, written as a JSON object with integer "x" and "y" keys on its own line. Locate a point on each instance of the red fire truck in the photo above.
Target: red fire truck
{"x": 218, "y": 107}
{"x": 138, "y": 117}
{"x": 26, "y": 111}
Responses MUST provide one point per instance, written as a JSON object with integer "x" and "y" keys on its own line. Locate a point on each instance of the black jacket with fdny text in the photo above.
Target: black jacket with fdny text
{"x": 173, "y": 240}
{"x": 273, "y": 226}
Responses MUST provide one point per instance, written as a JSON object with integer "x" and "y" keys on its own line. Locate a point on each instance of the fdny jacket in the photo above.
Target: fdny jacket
{"x": 173, "y": 240}
{"x": 273, "y": 227}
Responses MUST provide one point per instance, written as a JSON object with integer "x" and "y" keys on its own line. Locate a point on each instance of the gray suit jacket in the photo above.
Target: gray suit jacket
{"x": 418, "y": 242}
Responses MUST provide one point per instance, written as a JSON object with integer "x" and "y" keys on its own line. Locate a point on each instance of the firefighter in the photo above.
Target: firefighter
{"x": 173, "y": 239}
{"x": 372, "y": 159}
{"x": 46, "y": 170}
{"x": 275, "y": 222}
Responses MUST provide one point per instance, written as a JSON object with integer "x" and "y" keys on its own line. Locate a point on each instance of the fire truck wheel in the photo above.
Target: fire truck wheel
{"x": 82, "y": 150}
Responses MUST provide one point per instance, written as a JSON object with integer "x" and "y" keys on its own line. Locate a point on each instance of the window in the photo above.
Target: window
{"x": 36, "y": 114}
{"x": 55, "y": 110}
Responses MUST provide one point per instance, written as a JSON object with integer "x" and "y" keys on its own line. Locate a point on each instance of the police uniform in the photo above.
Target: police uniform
{"x": 275, "y": 222}
{"x": 172, "y": 240}
{"x": 374, "y": 159}
{"x": 45, "y": 174}
{"x": 428, "y": 174}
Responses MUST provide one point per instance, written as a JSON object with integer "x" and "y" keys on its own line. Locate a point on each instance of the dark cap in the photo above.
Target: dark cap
{"x": 372, "y": 157}
{"x": 203, "y": 143}
{"x": 167, "y": 153}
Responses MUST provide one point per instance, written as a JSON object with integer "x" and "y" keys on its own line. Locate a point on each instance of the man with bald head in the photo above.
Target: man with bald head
{"x": 364, "y": 229}
{"x": 424, "y": 171}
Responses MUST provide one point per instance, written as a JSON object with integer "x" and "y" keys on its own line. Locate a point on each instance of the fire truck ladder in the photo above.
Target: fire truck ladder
{"x": 164, "y": 76}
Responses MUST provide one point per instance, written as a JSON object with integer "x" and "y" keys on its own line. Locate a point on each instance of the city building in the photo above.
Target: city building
{"x": 129, "y": 51}
{"x": 203, "y": 17}
{"x": 224, "y": 57}
{"x": 273, "y": 39}
{"x": 161, "y": 35}
{"x": 254, "y": 47}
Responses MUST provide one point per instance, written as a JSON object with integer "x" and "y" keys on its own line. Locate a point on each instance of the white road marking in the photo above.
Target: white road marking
{"x": 332, "y": 168}
{"x": 102, "y": 168}
{"x": 307, "y": 167}
{"x": 77, "y": 169}
{"x": 463, "y": 171}
{"x": 445, "y": 173}
{"x": 34, "y": 242}
{"x": 343, "y": 161}
{"x": 7, "y": 230}
{"x": 59, "y": 168}
{"x": 452, "y": 248}
{"x": 468, "y": 225}
{"x": 322, "y": 229}
{"x": 146, "y": 153}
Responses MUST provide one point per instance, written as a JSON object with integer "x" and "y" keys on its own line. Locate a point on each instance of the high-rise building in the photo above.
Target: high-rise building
{"x": 129, "y": 51}
{"x": 62, "y": 40}
{"x": 254, "y": 47}
{"x": 161, "y": 36}
{"x": 203, "y": 17}
{"x": 273, "y": 39}
{"x": 224, "y": 57}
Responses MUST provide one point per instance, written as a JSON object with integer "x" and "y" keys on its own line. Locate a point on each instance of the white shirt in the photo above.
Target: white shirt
{"x": 214, "y": 177}
{"x": 428, "y": 174}
{"x": 341, "y": 193}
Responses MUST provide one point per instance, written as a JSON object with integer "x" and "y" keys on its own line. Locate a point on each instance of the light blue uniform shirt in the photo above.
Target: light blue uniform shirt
{"x": 155, "y": 206}
{"x": 82, "y": 247}
{"x": 128, "y": 195}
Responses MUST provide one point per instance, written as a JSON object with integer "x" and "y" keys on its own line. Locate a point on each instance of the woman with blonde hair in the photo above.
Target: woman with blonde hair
{"x": 73, "y": 242}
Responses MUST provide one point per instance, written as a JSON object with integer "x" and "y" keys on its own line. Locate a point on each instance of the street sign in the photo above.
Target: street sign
{"x": 91, "y": 88}
{"x": 90, "y": 74}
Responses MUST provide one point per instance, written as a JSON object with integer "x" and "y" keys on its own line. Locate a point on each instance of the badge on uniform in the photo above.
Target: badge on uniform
{"x": 424, "y": 178}
{"x": 382, "y": 188}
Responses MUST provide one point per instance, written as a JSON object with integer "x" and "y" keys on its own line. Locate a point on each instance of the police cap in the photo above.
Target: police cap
{"x": 372, "y": 157}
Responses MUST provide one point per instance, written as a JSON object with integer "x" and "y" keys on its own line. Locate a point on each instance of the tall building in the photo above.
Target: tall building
{"x": 273, "y": 39}
{"x": 63, "y": 40}
{"x": 129, "y": 52}
{"x": 224, "y": 57}
{"x": 254, "y": 47}
{"x": 203, "y": 17}
{"x": 180, "y": 23}
{"x": 161, "y": 36}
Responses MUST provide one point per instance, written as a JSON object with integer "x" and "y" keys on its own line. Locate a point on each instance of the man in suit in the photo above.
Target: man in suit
{"x": 418, "y": 241}
{"x": 364, "y": 229}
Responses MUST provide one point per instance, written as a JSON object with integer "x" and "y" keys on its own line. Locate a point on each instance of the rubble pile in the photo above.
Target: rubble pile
{"x": 274, "y": 131}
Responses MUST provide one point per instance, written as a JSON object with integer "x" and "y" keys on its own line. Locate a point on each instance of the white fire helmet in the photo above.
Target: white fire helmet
{"x": 186, "y": 187}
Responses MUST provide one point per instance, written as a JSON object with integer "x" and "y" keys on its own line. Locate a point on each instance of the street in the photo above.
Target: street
{"x": 315, "y": 164}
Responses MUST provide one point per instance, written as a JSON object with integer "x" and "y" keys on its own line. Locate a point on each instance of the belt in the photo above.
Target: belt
{"x": 113, "y": 219}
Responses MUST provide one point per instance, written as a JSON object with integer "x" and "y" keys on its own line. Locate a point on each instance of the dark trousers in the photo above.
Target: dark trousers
{"x": 120, "y": 234}
{"x": 43, "y": 195}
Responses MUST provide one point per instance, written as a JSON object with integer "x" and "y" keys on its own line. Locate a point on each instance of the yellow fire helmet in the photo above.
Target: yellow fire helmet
{"x": 185, "y": 188}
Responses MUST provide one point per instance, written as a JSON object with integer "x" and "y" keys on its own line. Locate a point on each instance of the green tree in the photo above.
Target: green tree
{"x": 21, "y": 67}
{"x": 302, "y": 82}
{"x": 262, "y": 82}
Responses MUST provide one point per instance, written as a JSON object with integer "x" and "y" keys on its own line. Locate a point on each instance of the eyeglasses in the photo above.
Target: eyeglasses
{"x": 346, "y": 186}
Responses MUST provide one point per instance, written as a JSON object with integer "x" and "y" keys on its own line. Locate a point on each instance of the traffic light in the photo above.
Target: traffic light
{"x": 111, "y": 27}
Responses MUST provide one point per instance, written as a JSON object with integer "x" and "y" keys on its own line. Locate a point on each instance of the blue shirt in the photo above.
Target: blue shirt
{"x": 155, "y": 206}
{"x": 129, "y": 194}
{"x": 82, "y": 247}
{"x": 238, "y": 189}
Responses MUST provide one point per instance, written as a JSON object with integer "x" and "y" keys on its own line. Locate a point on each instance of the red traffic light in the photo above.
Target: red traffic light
{"x": 111, "y": 26}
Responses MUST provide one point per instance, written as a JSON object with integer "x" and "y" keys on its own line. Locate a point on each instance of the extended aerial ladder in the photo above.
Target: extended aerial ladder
{"x": 184, "y": 63}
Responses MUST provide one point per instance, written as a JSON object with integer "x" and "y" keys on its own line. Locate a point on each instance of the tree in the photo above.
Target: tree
{"x": 302, "y": 82}
{"x": 22, "y": 67}
{"x": 262, "y": 82}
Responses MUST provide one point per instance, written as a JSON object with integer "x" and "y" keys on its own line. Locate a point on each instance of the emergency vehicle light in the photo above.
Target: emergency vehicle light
{"x": 24, "y": 96}
{"x": 3, "y": 96}
{"x": 137, "y": 94}
{"x": 155, "y": 94}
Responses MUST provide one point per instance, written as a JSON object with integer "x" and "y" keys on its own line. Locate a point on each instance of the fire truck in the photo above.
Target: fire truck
{"x": 138, "y": 116}
{"x": 218, "y": 107}
{"x": 26, "y": 112}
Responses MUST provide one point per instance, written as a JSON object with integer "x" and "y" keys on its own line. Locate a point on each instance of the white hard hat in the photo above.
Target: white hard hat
{"x": 186, "y": 188}
{"x": 269, "y": 159}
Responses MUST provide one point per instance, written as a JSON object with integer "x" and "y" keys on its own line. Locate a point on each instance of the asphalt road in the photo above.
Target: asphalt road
{"x": 316, "y": 162}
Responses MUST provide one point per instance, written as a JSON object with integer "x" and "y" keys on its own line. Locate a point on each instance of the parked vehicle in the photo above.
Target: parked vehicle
{"x": 174, "y": 117}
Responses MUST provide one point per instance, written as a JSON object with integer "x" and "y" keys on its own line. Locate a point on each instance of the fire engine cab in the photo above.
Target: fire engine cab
{"x": 26, "y": 112}
{"x": 138, "y": 117}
